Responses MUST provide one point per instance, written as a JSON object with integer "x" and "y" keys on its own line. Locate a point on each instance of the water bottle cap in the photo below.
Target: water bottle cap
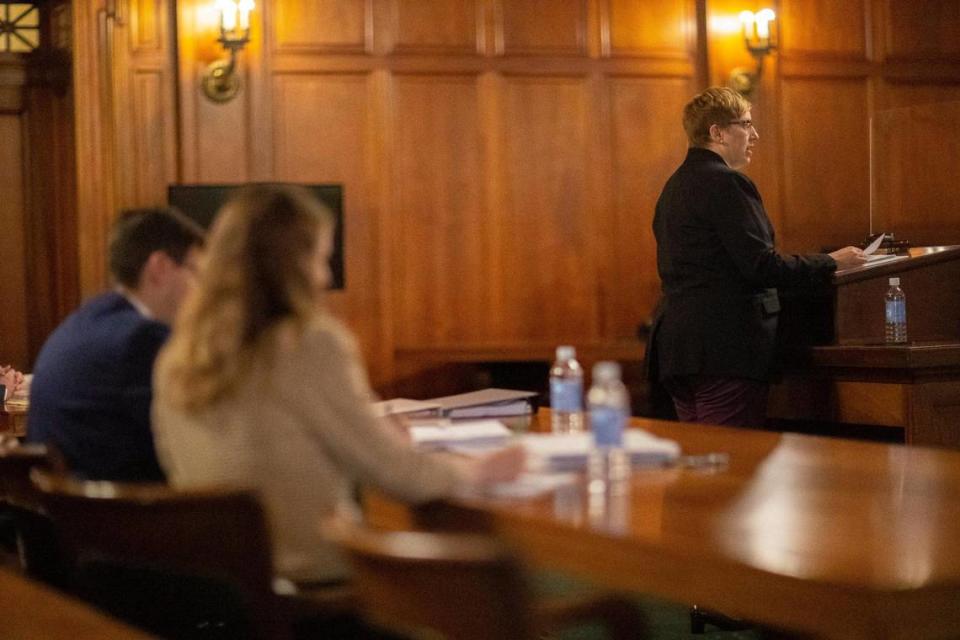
{"x": 566, "y": 352}
{"x": 606, "y": 371}
{"x": 894, "y": 282}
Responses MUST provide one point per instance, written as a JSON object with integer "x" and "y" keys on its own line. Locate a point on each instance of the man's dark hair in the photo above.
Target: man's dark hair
{"x": 137, "y": 233}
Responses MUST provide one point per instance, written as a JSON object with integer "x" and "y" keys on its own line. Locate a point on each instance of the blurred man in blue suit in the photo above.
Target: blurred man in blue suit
{"x": 92, "y": 383}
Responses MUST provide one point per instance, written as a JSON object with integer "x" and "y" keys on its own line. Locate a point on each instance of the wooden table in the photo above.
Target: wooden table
{"x": 31, "y": 610}
{"x": 836, "y": 538}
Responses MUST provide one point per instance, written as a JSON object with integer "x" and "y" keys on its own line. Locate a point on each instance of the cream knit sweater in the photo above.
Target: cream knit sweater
{"x": 299, "y": 430}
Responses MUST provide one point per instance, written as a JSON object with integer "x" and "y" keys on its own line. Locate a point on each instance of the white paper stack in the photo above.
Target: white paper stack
{"x": 481, "y": 433}
{"x": 569, "y": 452}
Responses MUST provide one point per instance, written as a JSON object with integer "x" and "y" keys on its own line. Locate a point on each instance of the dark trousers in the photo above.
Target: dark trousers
{"x": 734, "y": 402}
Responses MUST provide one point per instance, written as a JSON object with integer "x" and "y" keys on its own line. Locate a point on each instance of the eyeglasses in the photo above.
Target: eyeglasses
{"x": 746, "y": 124}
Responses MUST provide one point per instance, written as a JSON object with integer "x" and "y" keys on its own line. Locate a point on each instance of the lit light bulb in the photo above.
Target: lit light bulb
{"x": 763, "y": 19}
{"x": 228, "y": 14}
{"x": 747, "y": 22}
{"x": 245, "y": 7}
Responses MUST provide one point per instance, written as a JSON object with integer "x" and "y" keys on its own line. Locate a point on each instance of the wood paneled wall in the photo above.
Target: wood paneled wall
{"x": 501, "y": 158}
{"x": 13, "y": 320}
{"x": 842, "y": 64}
{"x": 37, "y": 194}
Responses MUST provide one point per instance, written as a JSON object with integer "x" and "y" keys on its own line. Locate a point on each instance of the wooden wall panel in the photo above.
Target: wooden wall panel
{"x": 143, "y": 103}
{"x": 915, "y": 168}
{"x": 319, "y": 26}
{"x": 322, "y": 133}
{"x": 438, "y": 26}
{"x": 221, "y": 142}
{"x": 543, "y": 27}
{"x": 895, "y": 96}
{"x": 148, "y": 24}
{"x": 214, "y": 143}
{"x": 544, "y": 242}
{"x": 826, "y": 183}
{"x": 13, "y": 319}
{"x": 824, "y": 27}
{"x": 648, "y": 144}
{"x": 94, "y": 143}
{"x": 152, "y": 168}
{"x": 51, "y": 212}
{"x": 441, "y": 262}
{"x": 923, "y": 29}
{"x": 648, "y": 27}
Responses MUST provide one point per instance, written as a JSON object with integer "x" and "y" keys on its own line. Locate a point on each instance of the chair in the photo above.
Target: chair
{"x": 37, "y": 547}
{"x": 462, "y": 586}
{"x": 145, "y": 551}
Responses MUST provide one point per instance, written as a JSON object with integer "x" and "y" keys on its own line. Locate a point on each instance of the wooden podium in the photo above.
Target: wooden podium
{"x": 837, "y": 368}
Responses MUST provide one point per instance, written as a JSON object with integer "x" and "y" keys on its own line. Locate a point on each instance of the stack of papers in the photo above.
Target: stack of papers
{"x": 878, "y": 258}
{"x": 482, "y": 433}
{"x": 487, "y": 403}
{"x": 406, "y": 407}
{"x": 530, "y": 485}
{"x": 883, "y": 257}
{"x": 569, "y": 452}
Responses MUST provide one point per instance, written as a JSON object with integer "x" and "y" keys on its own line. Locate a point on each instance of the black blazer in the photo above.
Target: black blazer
{"x": 720, "y": 273}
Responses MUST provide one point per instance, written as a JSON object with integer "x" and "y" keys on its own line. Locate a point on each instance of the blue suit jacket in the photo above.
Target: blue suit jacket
{"x": 92, "y": 388}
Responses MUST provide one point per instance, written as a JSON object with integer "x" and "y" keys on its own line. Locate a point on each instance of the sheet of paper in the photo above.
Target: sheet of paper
{"x": 873, "y": 246}
{"x": 459, "y": 433}
{"x": 530, "y": 485}
{"x": 568, "y": 452}
{"x": 882, "y": 257}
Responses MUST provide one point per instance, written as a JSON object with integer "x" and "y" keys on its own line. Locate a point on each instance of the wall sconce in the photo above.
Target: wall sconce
{"x": 220, "y": 81}
{"x": 760, "y": 38}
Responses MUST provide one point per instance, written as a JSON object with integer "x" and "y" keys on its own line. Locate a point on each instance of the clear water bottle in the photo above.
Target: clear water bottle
{"x": 609, "y": 406}
{"x": 566, "y": 392}
{"x": 895, "y": 304}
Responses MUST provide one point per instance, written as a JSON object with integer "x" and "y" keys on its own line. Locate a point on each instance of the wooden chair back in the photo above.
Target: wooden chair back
{"x": 37, "y": 546}
{"x": 462, "y": 586}
{"x": 16, "y": 461}
{"x": 220, "y": 535}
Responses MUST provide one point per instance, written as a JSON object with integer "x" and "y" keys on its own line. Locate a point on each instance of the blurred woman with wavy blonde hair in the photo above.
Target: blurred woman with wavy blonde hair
{"x": 261, "y": 387}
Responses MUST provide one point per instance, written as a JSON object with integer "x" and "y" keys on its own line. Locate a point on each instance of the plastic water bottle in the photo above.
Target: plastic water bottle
{"x": 566, "y": 392}
{"x": 895, "y": 304}
{"x": 609, "y": 406}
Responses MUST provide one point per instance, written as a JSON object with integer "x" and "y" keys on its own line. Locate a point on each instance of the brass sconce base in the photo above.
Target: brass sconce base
{"x": 220, "y": 83}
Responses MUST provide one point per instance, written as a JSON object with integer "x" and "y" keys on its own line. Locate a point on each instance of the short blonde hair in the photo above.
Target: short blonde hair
{"x": 716, "y": 105}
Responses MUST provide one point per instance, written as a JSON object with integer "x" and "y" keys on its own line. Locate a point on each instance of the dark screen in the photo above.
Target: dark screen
{"x": 201, "y": 202}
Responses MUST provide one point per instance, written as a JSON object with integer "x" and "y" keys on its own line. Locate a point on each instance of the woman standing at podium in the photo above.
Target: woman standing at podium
{"x": 713, "y": 340}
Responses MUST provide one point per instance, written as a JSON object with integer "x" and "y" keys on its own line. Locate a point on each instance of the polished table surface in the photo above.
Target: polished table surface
{"x": 832, "y": 537}
{"x": 30, "y": 610}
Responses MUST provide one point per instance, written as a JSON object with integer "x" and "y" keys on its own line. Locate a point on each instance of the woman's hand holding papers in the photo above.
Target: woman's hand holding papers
{"x": 849, "y": 257}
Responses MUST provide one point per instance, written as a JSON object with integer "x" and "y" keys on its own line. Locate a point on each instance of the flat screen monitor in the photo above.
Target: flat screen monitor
{"x": 201, "y": 202}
